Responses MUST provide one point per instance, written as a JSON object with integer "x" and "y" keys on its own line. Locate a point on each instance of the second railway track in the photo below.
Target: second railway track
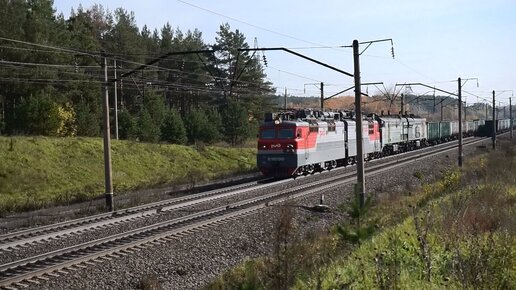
{"x": 45, "y": 266}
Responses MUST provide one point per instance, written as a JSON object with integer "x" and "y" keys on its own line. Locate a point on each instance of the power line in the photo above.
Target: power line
{"x": 51, "y": 47}
{"x": 32, "y": 80}
{"x": 259, "y": 27}
{"x": 32, "y": 49}
{"x": 413, "y": 69}
{"x": 294, "y": 74}
{"x": 46, "y": 64}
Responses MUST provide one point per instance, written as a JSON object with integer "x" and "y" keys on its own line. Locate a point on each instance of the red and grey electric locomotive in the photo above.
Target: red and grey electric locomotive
{"x": 303, "y": 141}
{"x": 300, "y": 142}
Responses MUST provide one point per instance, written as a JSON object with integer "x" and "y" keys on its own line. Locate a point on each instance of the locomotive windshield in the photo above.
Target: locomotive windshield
{"x": 280, "y": 134}
{"x": 268, "y": 134}
{"x": 286, "y": 134}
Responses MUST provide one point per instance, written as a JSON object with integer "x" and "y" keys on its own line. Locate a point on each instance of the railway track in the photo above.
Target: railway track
{"x": 48, "y": 265}
{"x": 12, "y": 241}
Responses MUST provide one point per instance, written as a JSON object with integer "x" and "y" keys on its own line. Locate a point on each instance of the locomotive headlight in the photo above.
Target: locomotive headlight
{"x": 277, "y": 121}
{"x": 290, "y": 148}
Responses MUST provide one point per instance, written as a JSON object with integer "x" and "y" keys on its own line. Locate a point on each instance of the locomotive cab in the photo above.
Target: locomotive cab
{"x": 278, "y": 145}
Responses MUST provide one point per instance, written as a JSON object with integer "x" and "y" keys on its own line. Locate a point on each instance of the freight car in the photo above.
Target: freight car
{"x": 486, "y": 129}
{"x": 401, "y": 133}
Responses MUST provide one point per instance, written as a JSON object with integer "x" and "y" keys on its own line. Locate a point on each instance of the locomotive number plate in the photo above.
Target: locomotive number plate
{"x": 276, "y": 159}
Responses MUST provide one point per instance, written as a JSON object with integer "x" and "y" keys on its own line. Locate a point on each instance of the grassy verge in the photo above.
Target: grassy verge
{"x": 457, "y": 232}
{"x": 39, "y": 171}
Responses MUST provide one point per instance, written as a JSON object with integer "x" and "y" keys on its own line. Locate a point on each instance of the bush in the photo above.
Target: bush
{"x": 215, "y": 121}
{"x": 126, "y": 125}
{"x": 68, "y": 125}
{"x": 38, "y": 115}
{"x": 173, "y": 129}
{"x": 87, "y": 120}
{"x": 147, "y": 130}
{"x": 199, "y": 128}
{"x": 155, "y": 105}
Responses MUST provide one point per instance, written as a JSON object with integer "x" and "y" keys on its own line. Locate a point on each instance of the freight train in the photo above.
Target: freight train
{"x": 301, "y": 142}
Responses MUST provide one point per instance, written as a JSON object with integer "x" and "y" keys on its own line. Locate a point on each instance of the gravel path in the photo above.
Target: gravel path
{"x": 196, "y": 259}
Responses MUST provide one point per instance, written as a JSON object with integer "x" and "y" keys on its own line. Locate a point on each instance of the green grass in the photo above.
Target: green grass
{"x": 38, "y": 171}
{"x": 456, "y": 232}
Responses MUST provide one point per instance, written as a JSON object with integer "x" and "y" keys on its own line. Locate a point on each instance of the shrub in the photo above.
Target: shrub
{"x": 127, "y": 127}
{"x": 38, "y": 115}
{"x": 68, "y": 125}
{"x": 86, "y": 120}
{"x": 199, "y": 128}
{"x": 147, "y": 130}
{"x": 173, "y": 129}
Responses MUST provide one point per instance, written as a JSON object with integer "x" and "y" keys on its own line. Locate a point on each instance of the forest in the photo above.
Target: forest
{"x": 52, "y": 77}
{"x": 52, "y": 80}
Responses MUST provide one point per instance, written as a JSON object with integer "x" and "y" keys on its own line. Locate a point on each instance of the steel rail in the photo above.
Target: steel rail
{"x": 12, "y": 241}
{"x": 19, "y": 238}
{"x": 122, "y": 244}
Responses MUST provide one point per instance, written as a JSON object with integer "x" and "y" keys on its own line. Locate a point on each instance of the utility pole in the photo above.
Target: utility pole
{"x": 465, "y": 108}
{"x": 434, "y": 103}
{"x": 461, "y": 153}
{"x": 358, "y": 117}
{"x": 116, "y": 102}
{"x": 441, "y": 110}
{"x": 121, "y": 89}
{"x": 494, "y": 122}
{"x": 459, "y": 99}
{"x": 285, "y": 104}
{"x": 322, "y": 96}
{"x": 3, "y": 110}
{"x": 107, "y": 142}
{"x": 510, "y": 116}
{"x": 402, "y": 104}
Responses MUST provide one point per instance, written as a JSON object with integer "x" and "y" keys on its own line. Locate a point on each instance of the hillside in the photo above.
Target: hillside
{"x": 423, "y": 106}
{"x": 38, "y": 171}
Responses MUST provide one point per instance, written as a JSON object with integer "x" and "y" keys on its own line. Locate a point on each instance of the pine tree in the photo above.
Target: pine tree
{"x": 235, "y": 122}
{"x": 127, "y": 127}
{"x": 173, "y": 129}
{"x": 147, "y": 131}
{"x": 241, "y": 72}
{"x": 87, "y": 121}
{"x": 199, "y": 128}
{"x": 38, "y": 115}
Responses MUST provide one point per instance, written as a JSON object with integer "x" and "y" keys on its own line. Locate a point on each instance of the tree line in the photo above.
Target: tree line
{"x": 51, "y": 77}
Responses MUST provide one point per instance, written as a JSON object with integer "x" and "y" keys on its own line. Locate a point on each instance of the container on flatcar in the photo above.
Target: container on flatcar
{"x": 445, "y": 130}
{"x": 433, "y": 132}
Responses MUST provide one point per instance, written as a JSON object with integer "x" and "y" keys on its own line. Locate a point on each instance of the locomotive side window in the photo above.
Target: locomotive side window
{"x": 286, "y": 134}
{"x": 268, "y": 134}
{"x": 331, "y": 127}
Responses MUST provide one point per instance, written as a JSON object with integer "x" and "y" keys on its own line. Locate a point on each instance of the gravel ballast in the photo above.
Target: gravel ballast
{"x": 195, "y": 259}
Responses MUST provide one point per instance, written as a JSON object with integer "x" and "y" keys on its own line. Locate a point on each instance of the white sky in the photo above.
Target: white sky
{"x": 435, "y": 41}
